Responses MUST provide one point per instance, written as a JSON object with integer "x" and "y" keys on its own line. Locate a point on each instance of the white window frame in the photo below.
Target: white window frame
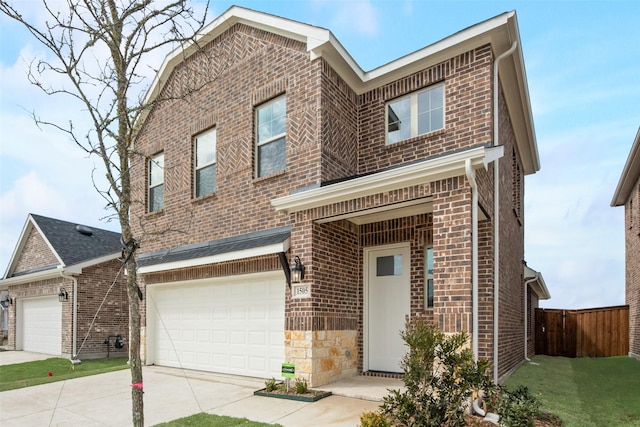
{"x": 158, "y": 161}
{"x": 414, "y": 113}
{"x": 427, "y": 276}
{"x": 271, "y": 139}
{"x": 204, "y": 137}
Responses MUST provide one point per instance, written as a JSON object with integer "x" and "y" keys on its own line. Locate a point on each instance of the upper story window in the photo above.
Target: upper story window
{"x": 156, "y": 183}
{"x": 415, "y": 114}
{"x": 205, "y": 163}
{"x": 271, "y": 130}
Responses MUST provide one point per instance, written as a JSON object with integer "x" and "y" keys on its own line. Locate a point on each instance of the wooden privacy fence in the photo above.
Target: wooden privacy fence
{"x": 594, "y": 332}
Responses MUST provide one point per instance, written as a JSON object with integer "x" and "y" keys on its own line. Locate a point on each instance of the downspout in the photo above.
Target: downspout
{"x": 526, "y": 314}
{"x": 471, "y": 176}
{"x": 74, "y": 331}
{"x": 496, "y": 211}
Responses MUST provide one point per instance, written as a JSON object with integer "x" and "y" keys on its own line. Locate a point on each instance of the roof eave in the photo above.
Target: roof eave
{"x": 630, "y": 175}
{"x": 401, "y": 177}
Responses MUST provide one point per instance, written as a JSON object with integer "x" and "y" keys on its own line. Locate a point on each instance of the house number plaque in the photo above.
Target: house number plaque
{"x": 301, "y": 290}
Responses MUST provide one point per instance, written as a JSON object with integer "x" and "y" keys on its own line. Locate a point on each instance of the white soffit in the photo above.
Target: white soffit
{"x": 392, "y": 179}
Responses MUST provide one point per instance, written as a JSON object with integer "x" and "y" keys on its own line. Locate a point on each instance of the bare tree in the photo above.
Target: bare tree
{"x": 101, "y": 47}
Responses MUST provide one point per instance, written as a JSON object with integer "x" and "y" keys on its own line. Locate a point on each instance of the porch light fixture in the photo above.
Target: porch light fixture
{"x": 297, "y": 270}
{"x": 63, "y": 295}
{"x": 5, "y": 303}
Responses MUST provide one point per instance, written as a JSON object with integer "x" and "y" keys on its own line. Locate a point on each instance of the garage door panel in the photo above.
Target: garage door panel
{"x": 234, "y": 327}
{"x": 41, "y": 325}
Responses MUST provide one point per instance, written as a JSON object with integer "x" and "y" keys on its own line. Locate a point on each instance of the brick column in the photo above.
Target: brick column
{"x": 452, "y": 255}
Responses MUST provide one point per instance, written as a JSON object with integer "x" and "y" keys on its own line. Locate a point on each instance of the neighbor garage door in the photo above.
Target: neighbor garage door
{"x": 233, "y": 326}
{"x": 40, "y": 325}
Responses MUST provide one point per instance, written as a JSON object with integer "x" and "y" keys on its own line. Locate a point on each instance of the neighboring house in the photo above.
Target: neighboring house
{"x": 66, "y": 293}
{"x": 381, "y": 183}
{"x": 628, "y": 195}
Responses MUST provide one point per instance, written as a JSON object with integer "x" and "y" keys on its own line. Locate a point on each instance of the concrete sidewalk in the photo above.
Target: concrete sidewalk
{"x": 105, "y": 400}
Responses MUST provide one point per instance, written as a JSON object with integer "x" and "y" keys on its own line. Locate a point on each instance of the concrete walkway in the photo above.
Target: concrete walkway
{"x": 105, "y": 400}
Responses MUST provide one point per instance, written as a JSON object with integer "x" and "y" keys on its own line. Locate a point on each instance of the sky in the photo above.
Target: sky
{"x": 582, "y": 61}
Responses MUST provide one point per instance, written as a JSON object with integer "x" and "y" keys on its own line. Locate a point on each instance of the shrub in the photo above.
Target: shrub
{"x": 301, "y": 386}
{"x": 518, "y": 408}
{"x": 374, "y": 419}
{"x": 270, "y": 385}
{"x": 440, "y": 377}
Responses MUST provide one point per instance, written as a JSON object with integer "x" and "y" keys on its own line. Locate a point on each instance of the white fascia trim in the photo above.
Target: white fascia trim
{"x": 227, "y": 256}
{"x": 77, "y": 268}
{"x": 630, "y": 175}
{"x": 537, "y": 283}
{"x": 405, "y": 176}
{"x": 28, "y": 225}
{"x": 34, "y": 277}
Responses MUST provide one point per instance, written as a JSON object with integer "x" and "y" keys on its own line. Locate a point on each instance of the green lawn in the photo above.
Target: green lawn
{"x": 38, "y": 372}
{"x": 584, "y": 392}
{"x": 208, "y": 420}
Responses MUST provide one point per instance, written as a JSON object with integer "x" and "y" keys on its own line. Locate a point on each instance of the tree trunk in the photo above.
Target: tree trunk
{"x": 137, "y": 405}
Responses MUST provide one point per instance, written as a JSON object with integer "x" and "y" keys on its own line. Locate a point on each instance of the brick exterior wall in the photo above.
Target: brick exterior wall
{"x": 511, "y": 304}
{"x": 332, "y": 133}
{"x": 94, "y": 326}
{"x": 36, "y": 253}
{"x": 632, "y": 275}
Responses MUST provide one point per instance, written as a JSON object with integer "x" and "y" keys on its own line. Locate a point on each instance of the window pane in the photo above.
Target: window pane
{"x": 399, "y": 120}
{"x": 156, "y": 170}
{"x": 272, "y": 119}
{"x": 430, "y": 110}
{"x": 206, "y": 148}
{"x": 389, "y": 265}
{"x": 429, "y": 261}
{"x": 271, "y": 157}
{"x": 429, "y": 293}
{"x": 156, "y": 198}
{"x": 206, "y": 180}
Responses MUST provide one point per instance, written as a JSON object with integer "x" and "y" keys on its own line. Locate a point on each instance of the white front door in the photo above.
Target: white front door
{"x": 387, "y": 275}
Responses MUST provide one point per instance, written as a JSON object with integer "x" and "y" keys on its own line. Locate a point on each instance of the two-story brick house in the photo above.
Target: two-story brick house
{"x": 399, "y": 190}
{"x": 627, "y": 194}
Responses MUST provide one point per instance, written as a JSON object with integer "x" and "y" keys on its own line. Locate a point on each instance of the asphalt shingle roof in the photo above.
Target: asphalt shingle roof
{"x": 216, "y": 247}
{"x": 74, "y": 247}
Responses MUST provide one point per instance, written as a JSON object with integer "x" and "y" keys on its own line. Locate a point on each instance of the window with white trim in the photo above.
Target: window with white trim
{"x": 415, "y": 114}
{"x": 271, "y": 128}
{"x": 156, "y": 183}
{"x": 205, "y": 163}
{"x": 428, "y": 278}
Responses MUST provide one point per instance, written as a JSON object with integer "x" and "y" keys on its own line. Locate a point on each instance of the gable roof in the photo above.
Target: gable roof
{"x": 73, "y": 245}
{"x": 500, "y": 32}
{"x": 630, "y": 175}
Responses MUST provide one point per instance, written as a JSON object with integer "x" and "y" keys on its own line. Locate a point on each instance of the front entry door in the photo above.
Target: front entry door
{"x": 388, "y": 295}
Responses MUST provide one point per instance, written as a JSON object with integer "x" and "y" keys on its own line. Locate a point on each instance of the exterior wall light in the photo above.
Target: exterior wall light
{"x": 297, "y": 270}
{"x": 5, "y": 303}
{"x": 63, "y": 295}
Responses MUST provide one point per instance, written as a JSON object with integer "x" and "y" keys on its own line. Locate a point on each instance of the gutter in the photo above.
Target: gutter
{"x": 74, "y": 333}
{"x": 496, "y": 211}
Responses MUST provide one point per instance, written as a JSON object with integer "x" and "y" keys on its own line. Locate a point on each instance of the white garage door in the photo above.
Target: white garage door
{"x": 233, "y": 326}
{"x": 40, "y": 325}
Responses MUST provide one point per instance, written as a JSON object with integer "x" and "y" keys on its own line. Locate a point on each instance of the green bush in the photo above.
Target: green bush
{"x": 440, "y": 378}
{"x": 301, "y": 386}
{"x": 518, "y": 408}
{"x": 270, "y": 385}
{"x": 374, "y": 419}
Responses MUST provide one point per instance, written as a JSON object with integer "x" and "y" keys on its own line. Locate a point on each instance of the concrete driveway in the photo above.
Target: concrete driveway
{"x": 105, "y": 400}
